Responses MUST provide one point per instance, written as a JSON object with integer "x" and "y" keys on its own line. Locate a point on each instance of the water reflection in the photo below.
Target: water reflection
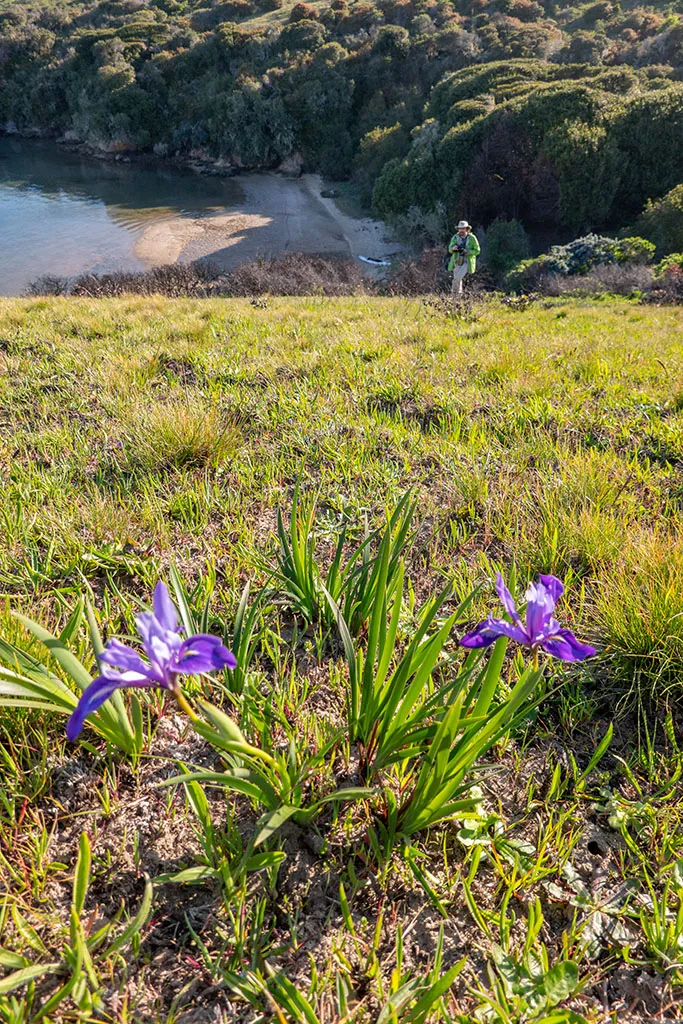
{"x": 62, "y": 214}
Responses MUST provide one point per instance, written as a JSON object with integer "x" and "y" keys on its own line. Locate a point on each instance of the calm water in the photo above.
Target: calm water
{"x": 63, "y": 215}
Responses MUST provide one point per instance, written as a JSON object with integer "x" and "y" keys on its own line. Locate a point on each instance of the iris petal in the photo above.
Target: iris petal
{"x": 117, "y": 654}
{"x": 554, "y": 586}
{"x": 552, "y": 628}
{"x": 161, "y": 649}
{"x": 503, "y": 628}
{"x": 539, "y": 611}
{"x": 94, "y": 697}
{"x": 203, "y": 653}
{"x": 164, "y": 609}
{"x": 566, "y": 647}
{"x": 507, "y": 600}
{"x": 479, "y": 637}
{"x": 148, "y": 626}
{"x": 489, "y": 631}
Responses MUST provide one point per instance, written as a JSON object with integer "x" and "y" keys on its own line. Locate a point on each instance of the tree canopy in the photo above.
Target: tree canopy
{"x": 559, "y": 116}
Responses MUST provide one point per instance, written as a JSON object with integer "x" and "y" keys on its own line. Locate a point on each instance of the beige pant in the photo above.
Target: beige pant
{"x": 458, "y": 275}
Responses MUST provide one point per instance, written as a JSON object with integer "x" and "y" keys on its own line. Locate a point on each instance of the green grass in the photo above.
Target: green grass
{"x": 279, "y": 18}
{"x": 142, "y": 433}
{"x": 142, "y": 430}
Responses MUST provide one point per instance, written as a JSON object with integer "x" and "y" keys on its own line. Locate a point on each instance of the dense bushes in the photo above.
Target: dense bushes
{"x": 579, "y": 257}
{"x": 668, "y": 280}
{"x": 479, "y": 106}
{"x": 662, "y": 222}
{"x": 673, "y": 262}
{"x": 529, "y": 275}
{"x": 634, "y": 250}
{"x": 562, "y": 148}
{"x": 507, "y": 244}
{"x": 294, "y": 274}
{"x": 303, "y": 12}
{"x": 605, "y": 278}
{"x": 668, "y": 287}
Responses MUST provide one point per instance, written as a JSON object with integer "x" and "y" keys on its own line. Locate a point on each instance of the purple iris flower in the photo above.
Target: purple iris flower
{"x": 541, "y": 629}
{"x": 168, "y": 653}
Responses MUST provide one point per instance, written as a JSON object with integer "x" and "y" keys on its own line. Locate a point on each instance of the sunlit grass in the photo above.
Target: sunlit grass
{"x": 146, "y": 425}
{"x": 183, "y": 433}
{"x": 143, "y": 433}
{"x": 639, "y": 605}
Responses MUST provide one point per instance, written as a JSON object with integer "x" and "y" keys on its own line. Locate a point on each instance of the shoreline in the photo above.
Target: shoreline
{"x": 277, "y": 215}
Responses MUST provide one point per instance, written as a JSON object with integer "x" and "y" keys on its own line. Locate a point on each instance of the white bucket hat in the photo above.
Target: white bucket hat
{"x": 463, "y": 224}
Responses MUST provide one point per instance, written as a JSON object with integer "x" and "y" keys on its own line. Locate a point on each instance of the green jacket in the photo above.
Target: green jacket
{"x": 472, "y": 250}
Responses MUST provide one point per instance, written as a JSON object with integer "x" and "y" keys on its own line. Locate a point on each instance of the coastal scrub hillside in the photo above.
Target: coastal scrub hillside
{"x": 566, "y": 117}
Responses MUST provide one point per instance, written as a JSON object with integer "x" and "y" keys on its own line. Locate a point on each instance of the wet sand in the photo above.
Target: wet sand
{"x": 277, "y": 215}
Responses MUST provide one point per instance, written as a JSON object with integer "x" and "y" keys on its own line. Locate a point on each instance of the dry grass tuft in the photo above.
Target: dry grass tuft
{"x": 183, "y": 433}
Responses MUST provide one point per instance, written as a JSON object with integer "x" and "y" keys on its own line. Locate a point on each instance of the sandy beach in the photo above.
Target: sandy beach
{"x": 276, "y": 215}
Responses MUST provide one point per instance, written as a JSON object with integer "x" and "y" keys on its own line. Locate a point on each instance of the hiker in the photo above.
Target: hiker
{"x": 465, "y": 249}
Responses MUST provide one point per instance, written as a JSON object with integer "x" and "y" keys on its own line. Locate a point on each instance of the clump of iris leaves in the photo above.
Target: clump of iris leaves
{"x": 423, "y": 704}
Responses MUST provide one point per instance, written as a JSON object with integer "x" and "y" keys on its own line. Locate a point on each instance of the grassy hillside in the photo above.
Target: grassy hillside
{"x": 140, "y": 434}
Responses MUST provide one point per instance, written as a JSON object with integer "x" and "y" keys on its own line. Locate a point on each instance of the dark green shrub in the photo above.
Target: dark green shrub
{"x": 330, "y": 53}
{"x": 584, "y": 48}
{"x": 378, "y": 147}
{"x": 598, "y": 12}
{"x": 579, "y": 256}
{"x": 303, "y": 36}
{"x": 588, "y": 167}
{"x": 647, "y": 133}
{"x": 507, "y": 244}
{"x": 303, "y": 12}
{"x": 360, "y": 17}
{"x": 233, "y": 10}
{"x": 528, "y": 275}
{"x": 393, "y": 189}
{"x": 525, "y": 10}
{"x": 467, "y": 110}
{"x": 204, "y": 19}
{"x": 392, "y": 41}
{"x": 397, "y": 12}
{"x": 662, "y": 222}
